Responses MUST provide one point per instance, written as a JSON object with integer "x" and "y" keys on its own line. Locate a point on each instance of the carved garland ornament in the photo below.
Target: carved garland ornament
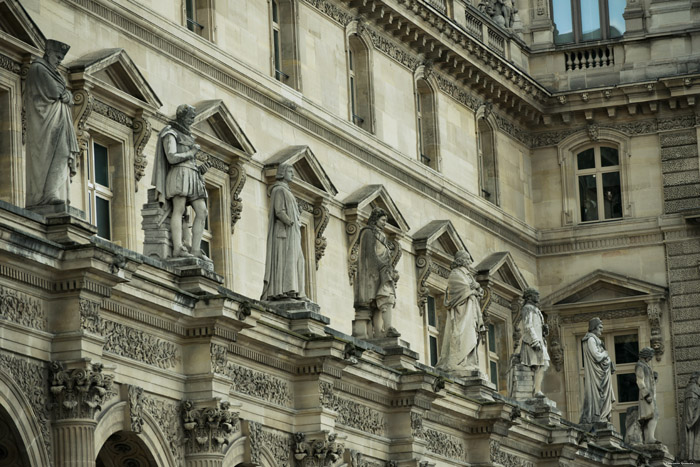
{"x": 10, "y": 65}
{"x": 656, "y": 340}
{"x": 208, "y": 429}
{"x": 219, "y": 358}
{"x": 505, "y": 459}
{"x": 351, "y": 413}
{"x": 135, "y": 399}
{"x": 22, "y": 309}
{"x": 258, "y": 384}
{"x": 167, "y": 416}
{"x": 80, "y": 392}
{"x": 556, "y": 352}
{"x": 278, "y": 444}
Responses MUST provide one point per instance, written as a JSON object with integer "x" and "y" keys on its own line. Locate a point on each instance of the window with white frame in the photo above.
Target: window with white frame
{"x": 284, "y": 49}
{"x": 497, "y": 344}
{"x": 587, "y": 20}
{"x": 599, "y": 184}
{"x": 99, "y": 186}
{"x": 359, "y": 83}
{"x": 432, "y": 331}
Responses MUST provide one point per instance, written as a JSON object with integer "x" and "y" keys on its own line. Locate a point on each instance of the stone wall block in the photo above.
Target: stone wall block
{"x": 681, "y": 178}
{"x": 677, "y": 139}
{"x": 687, "y": 327}
{"x": 680, "y": 165}
{"x": 681, "y": 192}
{"x": 684, "y": 274}
{"x": 687, "y": 353}
{"x": 686, "y": 314}
{"x": 686, "y": 301}
{"x": 689, "y": 247}
{"x": 681, "y": 205}
{"x": 679, "y": 152}
{"x": 685, "y": 287}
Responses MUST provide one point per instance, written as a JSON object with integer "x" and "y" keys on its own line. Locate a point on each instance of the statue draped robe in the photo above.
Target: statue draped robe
{"x": 691, "y": 423}
{"x": 533, "y": 322}
{"x": 374, "y": 282}
{"x": 597, "y": 386}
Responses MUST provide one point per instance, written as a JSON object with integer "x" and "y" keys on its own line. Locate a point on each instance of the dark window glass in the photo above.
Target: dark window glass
{"x": 617, "y": 22}
{"x": 494, "y": 373}
{"x": 612, "y": 195}
{"x": 563, "y": 21}
{"x": 275, "y": 14}
{"x": 627, "y": 390}
{"x": 205, "y": 248}
{"x": 586, "y": 159}
{"x": 433, "y": 351}
{"x": 492, "y": 338}
{"x": 101, "y": 164}
{"x": 623, "y": 423}
{"x": 626, "y": 349}
{"x": 102, "y": 214}
{"x": 588, "y": 195}
{"x": 590, "y": 20}
{"x": 431, "y": 311}
{"x": 608, "y": 157}
{"x": 189, "y": 7}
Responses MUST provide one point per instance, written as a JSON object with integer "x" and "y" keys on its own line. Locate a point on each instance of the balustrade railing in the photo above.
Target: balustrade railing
{"x": 439, "y": 5}
{"x": 497, "y": 43}
{"x": 475, "y": 26}
{"x": 590, "y": 57}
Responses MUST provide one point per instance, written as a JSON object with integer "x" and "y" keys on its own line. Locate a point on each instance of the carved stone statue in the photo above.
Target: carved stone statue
{"x": 598, "y": 370}
{"x": 533, "y": 351}
{"x": 502, "y": 12}
{"x": 179, "y": 181}
{"x": 690, "y": 430}
{"x": 375, "y": 286}
{"x": 284, "y": 267}
{"x": 646, "y": 382}
{"x": 52, "y": 147}
{"x": 464, "y": 326}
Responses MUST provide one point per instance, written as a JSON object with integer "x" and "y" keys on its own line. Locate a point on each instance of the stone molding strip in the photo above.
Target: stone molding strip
{"x": 142, "y": 317}
{"x": 25, "y": 277}
{"x": 259, "y": 357}
{"x": 563, "y": 247}
{"x": 361, "y": 392}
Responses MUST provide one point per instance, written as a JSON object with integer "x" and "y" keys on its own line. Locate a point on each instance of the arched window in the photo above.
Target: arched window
{"x": 359, "y": 83}
{"x": 426, "y": 124}
{"x": 284, "y": 57}
{"x": 488, "y": 174}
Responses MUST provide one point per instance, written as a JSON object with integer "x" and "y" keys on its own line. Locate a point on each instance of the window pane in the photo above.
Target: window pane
{"x": 623, "y": 423}
{"x": 189, "y": 6}
{"x": 276, "y": 40}
{"x": 626, "y": 349}
{"x": 612, "y": 199}
{"x": 275, "y": 14}
{"x": 433, "y": 351}
{"x": 492, "y": 338}
{"x": 204, "y": 246}
{"x": 617, "y": 22}
{"x": 494, "y": 373}
{"x": 431, "y": 311}
{"x": 563, "y": 22}
{"x": 101, "y": 164}
{"x": 609, "y": 157}
{"x": 102, "y": 215}
{"x": 590, "y": 20}
{"x": 589, "y": 198}
{"x": 586, "y": 159}
{"x": 627, "y": 389}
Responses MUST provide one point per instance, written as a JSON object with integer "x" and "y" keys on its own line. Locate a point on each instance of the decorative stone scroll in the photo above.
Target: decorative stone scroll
{"x": 208, "y": 429}
{"x": 84, "y": 102}
{"x": 656, "y": 340}
{"x": 141, "y": 129}
{"x": 237, "y": 177}
{"x": 167, "y": 417}
{"x": 79, "y": 392}
{"x": 317, "y": 451}
{"x": 22, "y": 309}
{"x": 135, "y": 400}
{"x": 321, "y": 218}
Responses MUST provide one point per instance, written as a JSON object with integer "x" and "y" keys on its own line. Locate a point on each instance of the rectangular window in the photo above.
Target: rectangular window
{"x": 497, "y": 344}
{"x": 617, "y": 23}
{"x": 433, "y": 350}
{"x": 430, "y": 305}
{"x": 587, "y": 20}
{"x": 626, "y": 349}
{"x": 99, "y": 190}
{"x": 431, "y": 325}
{"x": 494, "y": 373}
{"x": 590, "y": 20}
{"x": 599, "y": 186}
{"x": 627, "y": 390}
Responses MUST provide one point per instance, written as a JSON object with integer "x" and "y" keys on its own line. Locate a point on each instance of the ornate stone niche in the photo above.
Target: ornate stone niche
{"x": 113, "y": 104}
{"x": 20, "y": 40}
{"x": 314, "y": 191}
{"x": 358, "y": 207}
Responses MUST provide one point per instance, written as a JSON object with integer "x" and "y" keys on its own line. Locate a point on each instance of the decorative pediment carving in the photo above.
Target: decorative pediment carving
{"x": 358, "y": 207}
{"x": 22, "y": 34}
{"x": 435, "y": 245}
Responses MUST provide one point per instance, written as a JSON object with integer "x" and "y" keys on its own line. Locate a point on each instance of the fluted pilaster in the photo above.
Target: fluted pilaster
{"x": 74, "y": 443}
{"x": 205, "y": 460}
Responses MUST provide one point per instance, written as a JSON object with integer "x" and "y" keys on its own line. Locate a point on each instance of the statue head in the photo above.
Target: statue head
{"x": 55, "y": 51}
{"x": 531, "y": 295}
{"x": 595, "y": 325}
{"x": 462, "y": 259}
{"x": 374, "y": 218}
{"x": 285, "y": 171}
{"x": 646, "y": 354}
{"x": 185, "y": 115}
{"x": 694, "y": 378}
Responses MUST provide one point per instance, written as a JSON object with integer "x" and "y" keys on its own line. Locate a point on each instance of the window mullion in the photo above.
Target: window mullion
{"x": 576, "y": 14}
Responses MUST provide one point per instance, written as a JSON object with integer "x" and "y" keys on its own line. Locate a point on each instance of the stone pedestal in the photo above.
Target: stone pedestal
{"x": 305, "y": 316}
{"x": 74, "y": 442}
{"x": 362, "y": 324}
{"x": 477, "y": 386}
{"x": 197, "y": 275}
{"x": 544, "y": 410}
{"x": 522, "y": 383}
{"x": 65, "y": 224}
{"x": 658, "y": 454}
{"x": 634, "y": 18}
{"x": 605, "y": 434}
{"x": 156, "y": 228}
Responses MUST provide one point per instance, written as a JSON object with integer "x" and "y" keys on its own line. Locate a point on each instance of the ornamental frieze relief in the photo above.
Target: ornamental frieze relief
{"x": 438, "y": 442}
{"x": 503, "y": 458}
{"x": 279, "y": 445}
{"x": 10, "y": 65}
{"x": 604, "y": 315}
{"x": 332, "y": 11}
{"x": 22, "y": 309}
{"x": 351, "y": 413}
{"x": 259, "y": 384}
{"x": 135, "y": 400}
{"x": 140, "y": 346}
{"x": 167, "y": 417}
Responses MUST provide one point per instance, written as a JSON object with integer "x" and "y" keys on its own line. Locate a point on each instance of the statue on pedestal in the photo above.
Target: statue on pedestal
{"x": 284, "y": 267}
{"x": 690, "y": 429}
{"x": 52, "y": 147}
{"x": 464, "y": 327}
{"x": 598, "y": 370}
{"x": 533, "y": 351}
{"x": 179, "y": 181}
{"x": 375, "y": 286}
{"x": 646, "y": 382}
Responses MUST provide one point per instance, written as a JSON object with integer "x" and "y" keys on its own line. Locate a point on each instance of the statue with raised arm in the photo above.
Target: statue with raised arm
{"x": 52, "y": 147}
{"x": 375, "y": 286}
{"x": 690, "y": 429}
{"x": 646, "y": 382}
{"x": 464, "y": 327}
{"x": 179, "y": 181}
{"x": 284, "y": 267}
{"x": 598, "y": 394}
{"x": 533, "y": 351}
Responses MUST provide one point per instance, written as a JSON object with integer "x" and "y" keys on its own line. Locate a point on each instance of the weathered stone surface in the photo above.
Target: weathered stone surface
{"x": 678, "y": 152}
{"x": 680, "y": 165}
{"x": 680, "y": 178}
{"x": 680, "y": 138}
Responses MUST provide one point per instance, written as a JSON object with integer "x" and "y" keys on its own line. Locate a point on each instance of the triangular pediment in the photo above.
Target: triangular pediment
{"x": 18, "y": 28}
{"x": 603, "y": 287}
{"x": 500, "y": 266}
{"x": 307, "y": 168}
{"x": 361, "y": 203}
{"x": 439, "y": 237}
{"x": 115, "y": 72}
{"x": 216, "y": 121}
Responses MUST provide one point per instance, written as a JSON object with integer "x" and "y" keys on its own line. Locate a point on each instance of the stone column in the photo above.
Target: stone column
{"x": 74, "y": 442}
{"x": 209, "y": 427}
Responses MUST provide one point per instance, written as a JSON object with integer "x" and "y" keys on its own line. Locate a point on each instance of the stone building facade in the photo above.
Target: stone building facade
{"x": 559, "y": 159}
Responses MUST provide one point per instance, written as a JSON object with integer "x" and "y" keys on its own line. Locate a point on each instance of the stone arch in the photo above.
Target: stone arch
{"x": 115, "y": 420}
{"x": 25, "y": 422}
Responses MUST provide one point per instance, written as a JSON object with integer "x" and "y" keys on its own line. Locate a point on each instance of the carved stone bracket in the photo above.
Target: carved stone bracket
{"x": 237, "y": 178}
{"x": 208, "y": 429}
{"x": 321, "y": 218}
{"x": 656, "y": 340}
{"x": 556, "y": 352}
{"x": 423, "y": 265}
{"x": 142, "y": 132}
{"x": 352, "y": 229}
{"x": 318, "y": 450}
{"x": 84, "y": 102}
{"x": 80, "y": 392}
{"x": 135, "y": 400}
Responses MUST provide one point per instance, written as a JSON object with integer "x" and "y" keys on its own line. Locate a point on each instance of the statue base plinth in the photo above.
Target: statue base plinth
{"x": 522, "y": 384}
{"x": 305, "y": 316}
{"x": 51, "y": 210}
{"x": 477, "y": 386}
{"x": 65, "y": 224}
{"x": 605, "y": 434}
{"x": 197, "y": 275}
{"x": 657, "y": 452}
{"x": 397, "y": 352}
{"x": 544, "y": 410}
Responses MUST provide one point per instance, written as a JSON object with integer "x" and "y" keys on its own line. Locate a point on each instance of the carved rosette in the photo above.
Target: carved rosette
{"x": 80, "y": 392}
{"x": 135, "y": 399}
{"x": 324, "y": 451}
{"x": 237, "y": 179}
{"x": 208, "y": 429}
{"x": 321, "y": 218}
{"x": 84, "y": 102}
{"x": 556, "y": 352}
{"x": 423, "y": 264}
{"x": 142, "y": 132}
{"x": 656, "y": 340}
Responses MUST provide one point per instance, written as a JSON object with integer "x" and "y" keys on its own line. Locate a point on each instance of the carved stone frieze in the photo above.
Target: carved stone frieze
{"x": 22, "y": 309}
{"x": 167, "y": 417}
{"x": 456, "y": 92}
{"x": 321, "y": 451}
{"x": 556, "y": 351}
{"x": 111, "y": 113}
{"x": 258, "y": 384}
{"x": 351, "y": 413}
{"x": 213, "y": 161}
{"x": 416, "y": 425}
{"x": 321, "y": 219}
{"x": 90, "y": 319}
{"x": 505, "y": 459}
{"x": 255, "y": 441}
{"x": 135, "y": 400}
{"x": 278, "y": 444}
{"x": 392, "y": 50}
{"x": 439, "y": 270}
{"x": 656, "y": 340}
{"x": 30, "y": 377}
{"x": 332, "y": 11}
{"x": 506, "y": 126}
{"x": 440, "y": 443}
{"x": 219, "y": 358}
{"x": 357, "y": 459}
{"x": 237, "y": 179}
{"x": 138, "y": 345}
{"x": 208, "y": 429}
{"x": 604, "y": 315}
{"x": 10, "y": 65}
{"x": 79, "y": 392}
{"x": 142, "y": 132}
